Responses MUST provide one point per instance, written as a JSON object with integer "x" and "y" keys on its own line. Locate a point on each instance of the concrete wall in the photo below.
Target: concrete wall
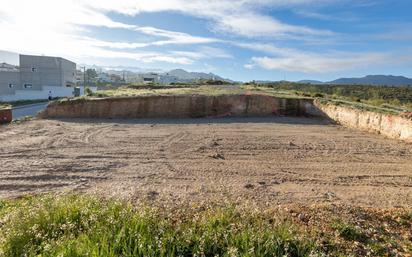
{"x": 24, "y": 94}
{"x": 6, "y": 78}
{"x": 47, "y": 71}
{"x": 391, "y": 126}
{"x": 68, "y": 71}
{"x": 183, "y": 106}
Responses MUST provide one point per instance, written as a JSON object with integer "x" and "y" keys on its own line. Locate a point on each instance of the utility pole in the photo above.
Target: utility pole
{"x": 84, "y": 77}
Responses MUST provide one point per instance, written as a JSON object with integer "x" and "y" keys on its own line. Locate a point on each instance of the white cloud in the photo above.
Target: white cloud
{"x": 204, "y": 52}
{"x": 318, "y": 63}
{"x": 289, "y": 59}
{"x": 58, "y": 28}
{"x": 249, "y": 66}
{"x": 252, "y": 25}
{"x": 239, "y": 17}
{"x": 174, "y": 37}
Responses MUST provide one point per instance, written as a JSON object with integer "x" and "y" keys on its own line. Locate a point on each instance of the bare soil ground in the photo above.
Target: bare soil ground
{"x": 266, "y": 161}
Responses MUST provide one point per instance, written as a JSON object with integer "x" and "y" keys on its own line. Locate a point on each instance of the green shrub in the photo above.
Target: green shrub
{"x": 349, "y": 232}
{"x": 88, "y": 91}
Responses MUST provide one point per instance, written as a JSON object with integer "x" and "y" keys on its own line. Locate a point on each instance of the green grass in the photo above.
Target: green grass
{"x": 360, "y": 106}
{"x": 81, "y": 225}
{"x": 349, "y": 232}
{"x": 87, "y": 226}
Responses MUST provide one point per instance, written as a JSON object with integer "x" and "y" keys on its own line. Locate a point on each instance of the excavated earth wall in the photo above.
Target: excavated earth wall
{"x": 181, "y": 106}
{"x": 392, "y": 126}
{"x": 197, "y": 106}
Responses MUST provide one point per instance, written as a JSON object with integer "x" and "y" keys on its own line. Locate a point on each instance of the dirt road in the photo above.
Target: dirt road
{"x": 264, "y": 160}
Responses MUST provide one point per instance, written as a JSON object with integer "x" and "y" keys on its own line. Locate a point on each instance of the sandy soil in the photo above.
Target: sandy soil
{"x": 263, "y": 160}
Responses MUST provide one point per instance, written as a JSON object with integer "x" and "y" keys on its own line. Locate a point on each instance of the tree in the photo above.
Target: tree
{"x": 91, "y": 75}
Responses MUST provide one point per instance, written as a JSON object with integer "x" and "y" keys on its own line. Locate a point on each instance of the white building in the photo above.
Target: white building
{"x": 103, "y": 77}
{"x": 149, "y": 78}
{"x": 38, "y": 77}
{"x": 155, "y": 78}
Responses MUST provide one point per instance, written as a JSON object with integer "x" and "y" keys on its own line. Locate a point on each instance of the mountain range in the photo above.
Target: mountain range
{"x": 374, "y": 80}
{"x": 192, "y": 76}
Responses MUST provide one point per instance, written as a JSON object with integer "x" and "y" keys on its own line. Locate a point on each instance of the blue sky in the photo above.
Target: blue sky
{"x": 242, "y": 40}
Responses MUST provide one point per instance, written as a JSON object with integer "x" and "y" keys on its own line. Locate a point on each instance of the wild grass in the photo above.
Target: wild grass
{"x": 87, "y": 226}
{"x": 198, "y": 90}
{"x": 349, "y": 232}
{"x": 130, "y": 91}
{"x": 81, "y": 225}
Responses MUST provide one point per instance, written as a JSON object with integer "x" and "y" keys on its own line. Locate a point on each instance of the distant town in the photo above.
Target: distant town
{"x": 43, "y": 77}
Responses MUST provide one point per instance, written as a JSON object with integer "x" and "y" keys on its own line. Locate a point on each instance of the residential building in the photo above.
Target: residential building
{"x": 149, "y": 78}
{"x": 38, "y": 77}
{"x": 103, "y": 77}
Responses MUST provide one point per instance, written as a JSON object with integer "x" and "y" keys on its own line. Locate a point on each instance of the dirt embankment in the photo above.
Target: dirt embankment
{"x": 181, "y": 106}
{"x": 197, "y": 106}
{"x": 391, "y": 126}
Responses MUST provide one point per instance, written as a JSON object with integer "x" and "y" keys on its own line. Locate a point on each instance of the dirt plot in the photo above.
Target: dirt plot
{"x": 262, "y": 160}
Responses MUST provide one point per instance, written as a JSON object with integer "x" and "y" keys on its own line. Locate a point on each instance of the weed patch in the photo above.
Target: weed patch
{"x": 349, "y": 232}
{"x": 84, "y": 226}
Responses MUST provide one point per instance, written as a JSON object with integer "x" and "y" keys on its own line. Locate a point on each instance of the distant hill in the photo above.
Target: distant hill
{"x": 173, "y": 76}
{"x": 184, "y": 76}
{"x": 374, "y": 80}
{"x": 310, "y": 82}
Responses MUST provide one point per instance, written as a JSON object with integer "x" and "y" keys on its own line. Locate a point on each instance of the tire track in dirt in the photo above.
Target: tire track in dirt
{"x": 262, "y": 162}
{"x": 166, "y": 145}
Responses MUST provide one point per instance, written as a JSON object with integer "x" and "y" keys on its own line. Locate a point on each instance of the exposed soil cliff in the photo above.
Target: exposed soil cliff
{"x": 181, "y": 106}
{"x": 392, "y": 126}
{"x": 197, "y": 106}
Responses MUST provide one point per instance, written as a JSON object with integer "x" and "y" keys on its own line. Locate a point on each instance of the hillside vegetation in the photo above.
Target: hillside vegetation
{"x": 384, "y": 96}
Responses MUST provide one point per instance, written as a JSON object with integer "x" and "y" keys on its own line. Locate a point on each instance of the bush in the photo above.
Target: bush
{"x": 88, "y": 91}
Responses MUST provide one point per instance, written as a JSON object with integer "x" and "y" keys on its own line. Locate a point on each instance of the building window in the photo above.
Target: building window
{"x": 33, "y": 69}
{"x": 28, "y": 85}
{"x": 11, "y": 85}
